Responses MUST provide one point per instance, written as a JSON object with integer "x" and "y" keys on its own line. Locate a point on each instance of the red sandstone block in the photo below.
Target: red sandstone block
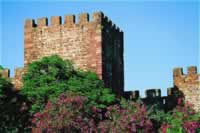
{"x": 177, "y": 72}
{"x": 42, "y": 22}
{"x": 29, "y": 23}
{"x": 97, "y": 16}
{"x": 55, "y": 20}
{"x": 192, "y": 70}
{"x": 69, "y": 20}
{"x": 5, "y": 73}
{"x": 83, "y": 18}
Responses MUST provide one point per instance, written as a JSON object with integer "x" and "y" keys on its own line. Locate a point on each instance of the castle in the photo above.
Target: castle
{"x": 95, "y": 45}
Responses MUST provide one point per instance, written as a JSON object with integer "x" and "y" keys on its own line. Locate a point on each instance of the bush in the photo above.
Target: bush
{"x": 70, "y": 113}
{"x": 66, "y": 114}
{"x": 128, "y": 117}
{"x": 183, "y": 119}
{"x": 1, "y": 68}
{"x": 47, "y": 78}
{"x": 14, "y": 116}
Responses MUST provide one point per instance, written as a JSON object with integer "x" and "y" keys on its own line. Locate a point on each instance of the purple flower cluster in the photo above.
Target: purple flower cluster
{"x": 66, "y": 114}
{"x": 131, "y": 119}
{"x": 191, "y": 126}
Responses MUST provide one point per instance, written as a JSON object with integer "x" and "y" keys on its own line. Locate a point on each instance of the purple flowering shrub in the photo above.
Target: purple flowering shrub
{"x": 71, "y": 113}
{"x": 66, "y": 114}
{"x": 130, "y": 118}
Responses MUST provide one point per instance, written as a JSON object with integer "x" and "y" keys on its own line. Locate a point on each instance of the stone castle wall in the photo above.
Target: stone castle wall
{"x": 79, "y": 42}
{"x": 5, "y": 73}
{"x": 95, "y": 45}
{"x": 16, "y": 80}
{"x": 188, "y": 84}
{"x": 113, "y": 62}
{"x": 153, "y": 96}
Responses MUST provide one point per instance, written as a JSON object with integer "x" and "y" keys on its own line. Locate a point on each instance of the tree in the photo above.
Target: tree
{"x": 14, "y": 116}
{"x": 5, "y": 88}
{"x": 1, "y": 68}
{"x": 47, "y": 78}
{"x": 86, "y": 83}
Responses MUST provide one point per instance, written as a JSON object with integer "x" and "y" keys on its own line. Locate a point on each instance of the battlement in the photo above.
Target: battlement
{"x": 188, "y": 84}
{"x": 70, "y": 21}
{"x": 5, "y": 73}
{"x": 185, "y": 85}
{"x": 132, "y": 94}
{"x": 153, "y": 96}
{"x": 192, "y": 76}
{"x": 153, "y": 93}
{"x": 149, "y": 93}
{"x": 192, "y": 70}
{"x": 16, "y": 80}
{"x": 180, "y": 81}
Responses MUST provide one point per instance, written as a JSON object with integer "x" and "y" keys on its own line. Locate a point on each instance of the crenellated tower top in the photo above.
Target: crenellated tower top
{"x": 69, "y": 21}
{"x": 181, "y": 79}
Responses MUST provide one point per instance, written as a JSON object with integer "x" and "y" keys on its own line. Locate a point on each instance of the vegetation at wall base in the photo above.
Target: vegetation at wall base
{"x": 14, "y": 115}
{"x": 58, "y": 98}
{"x": 1, "y": 67}
{"x": 47, "y": 78}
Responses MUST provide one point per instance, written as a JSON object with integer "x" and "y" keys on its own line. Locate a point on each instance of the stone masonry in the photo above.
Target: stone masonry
{"x": 5, "y": 73}
{"x": 95, "y": 45}
{"x": 188, "y": 84}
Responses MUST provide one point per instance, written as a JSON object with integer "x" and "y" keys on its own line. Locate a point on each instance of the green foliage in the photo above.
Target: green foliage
{"x": 13, "y": 117}
{"x": 87, "y": 84}
{"x": 47, "y": 78}
{"x": 5, "y": 89}
{"x": 181, "y": 119}
{"x": 1, "y": 68}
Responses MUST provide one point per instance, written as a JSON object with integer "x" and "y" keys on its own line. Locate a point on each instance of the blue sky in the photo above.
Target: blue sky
{"x": 158, "y": 36}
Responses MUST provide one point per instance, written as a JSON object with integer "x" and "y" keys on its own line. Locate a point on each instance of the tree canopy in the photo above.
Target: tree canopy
{"x": 1, "y": 68}
{"x": 47, "y": 78}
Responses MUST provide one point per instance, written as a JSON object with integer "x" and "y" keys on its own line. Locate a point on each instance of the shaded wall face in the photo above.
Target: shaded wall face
{"x": 80, "y": 43}
{"x": 189, "y": 85}
{"x": 113, "y": 64}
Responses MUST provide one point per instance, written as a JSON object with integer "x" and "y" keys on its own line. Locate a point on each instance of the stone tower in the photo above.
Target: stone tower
{"x": 95, "y": 45}
{"x": 188, "y": 84}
